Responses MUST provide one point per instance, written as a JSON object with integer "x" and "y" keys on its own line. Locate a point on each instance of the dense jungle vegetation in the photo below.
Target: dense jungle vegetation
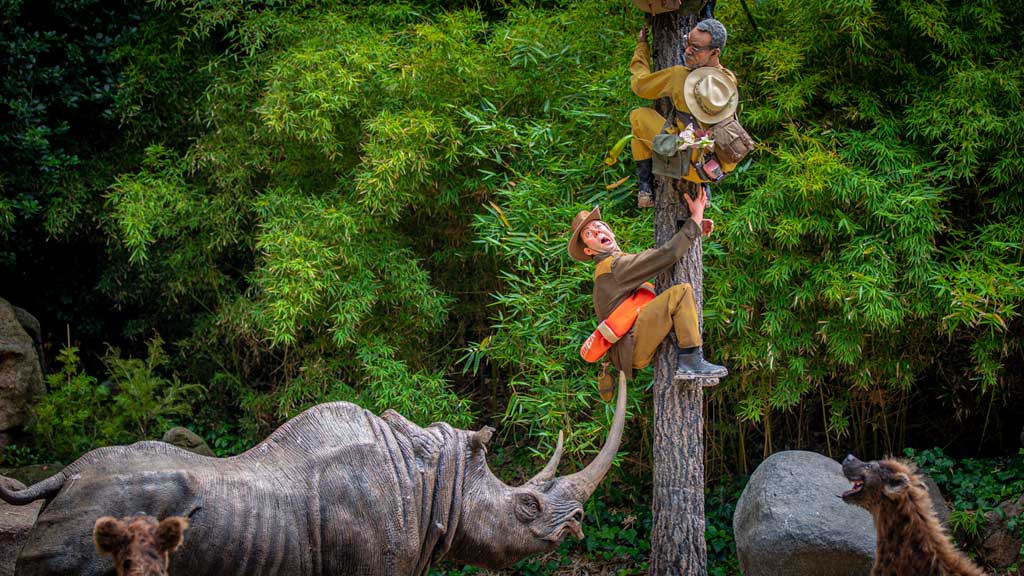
{"x": 224, "y": 212}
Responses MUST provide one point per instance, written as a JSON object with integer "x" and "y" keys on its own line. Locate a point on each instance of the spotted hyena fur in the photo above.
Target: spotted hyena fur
{"x": 910, "y": 540}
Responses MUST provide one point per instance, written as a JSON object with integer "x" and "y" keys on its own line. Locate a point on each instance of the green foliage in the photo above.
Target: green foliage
{"x": 871, "y": 230}
{"x": 974, "y": 487}
{"x": 340, "y": 201}
{"x": 871, "y": 243}
{"x": 322, "y": 221}
{"x": 57, "y": 112}
{"x": 225, "y": 441}
{"x": 144, "y": 401}
{"x": 975, "y": 484}
{"x": 136, "y": 403}
{"x": 966, "y": 522}
{"x": 17, "y": 455}
{"x": 301, "y": 226}
{"x": 66, "y": 421}
{"x": 719, "y": 507}
{"x": 369, "y": 202}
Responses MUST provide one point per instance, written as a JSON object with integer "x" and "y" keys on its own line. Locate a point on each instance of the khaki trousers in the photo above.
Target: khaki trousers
{"x": 646, "y": 125}
{"x": 673, "y": 308}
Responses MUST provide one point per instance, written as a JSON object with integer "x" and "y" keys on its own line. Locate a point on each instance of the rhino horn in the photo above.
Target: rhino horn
{"x": 549, "y": 471}
{"x": 586, "y": 480}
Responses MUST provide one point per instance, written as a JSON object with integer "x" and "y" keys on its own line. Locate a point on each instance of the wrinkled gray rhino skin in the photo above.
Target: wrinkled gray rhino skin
{"x": 21, "y": 377}
{"x": 336, "y": 490}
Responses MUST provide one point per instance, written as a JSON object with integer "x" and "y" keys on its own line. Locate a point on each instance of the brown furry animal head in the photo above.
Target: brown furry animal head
{"x": 139, "y": 545}
{"x": 877, "y": 481}
{"x": 909, "y": 539}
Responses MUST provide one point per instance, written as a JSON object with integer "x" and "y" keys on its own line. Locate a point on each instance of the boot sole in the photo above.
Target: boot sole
{"x": 691, "y": 375}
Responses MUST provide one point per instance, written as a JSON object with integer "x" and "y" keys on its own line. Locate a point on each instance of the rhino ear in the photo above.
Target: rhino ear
{"x": 481, "y": 438}
{"x": 170, "y": 533}
{"x": 109, "y": 535}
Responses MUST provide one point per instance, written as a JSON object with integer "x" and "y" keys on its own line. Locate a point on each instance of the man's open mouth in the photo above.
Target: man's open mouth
{"x": 858, "y": 484}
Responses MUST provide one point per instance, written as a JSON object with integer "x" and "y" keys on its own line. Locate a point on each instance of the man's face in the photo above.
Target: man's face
{"x": 698, "y": 49}
{"x": 598, "y": 238}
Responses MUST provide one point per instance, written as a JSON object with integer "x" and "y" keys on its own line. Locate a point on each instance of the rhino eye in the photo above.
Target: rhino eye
{"x": 528, "y": 507}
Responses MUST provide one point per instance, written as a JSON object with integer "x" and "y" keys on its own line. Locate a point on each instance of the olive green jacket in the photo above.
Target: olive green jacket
{"x": 665, "y": 82}
{"x": 618, "y": 274}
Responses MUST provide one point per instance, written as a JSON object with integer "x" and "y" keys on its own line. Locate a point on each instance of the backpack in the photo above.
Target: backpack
{"x": 701, "y": 165}
{"x": 732, "y": 143}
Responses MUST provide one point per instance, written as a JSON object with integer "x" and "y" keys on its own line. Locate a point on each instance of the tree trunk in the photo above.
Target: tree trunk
{"x": 677, "y": 536}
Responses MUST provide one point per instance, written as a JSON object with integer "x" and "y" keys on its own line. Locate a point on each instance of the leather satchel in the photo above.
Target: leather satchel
{"x": 732, "y": 143}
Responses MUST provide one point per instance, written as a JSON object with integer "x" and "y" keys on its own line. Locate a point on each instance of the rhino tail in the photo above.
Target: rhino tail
{"x": 42, "y": 489}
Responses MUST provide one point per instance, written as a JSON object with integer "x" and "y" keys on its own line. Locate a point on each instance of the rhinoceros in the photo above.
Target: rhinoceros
{"x": 336, "y": 490}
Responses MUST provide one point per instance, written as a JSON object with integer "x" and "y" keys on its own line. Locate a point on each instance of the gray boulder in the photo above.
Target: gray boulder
{"x": 15, "y": 522}
{"x": 790, "y": 520}
{"x": 187, "y": 439}
{"x": 21, "y": 378}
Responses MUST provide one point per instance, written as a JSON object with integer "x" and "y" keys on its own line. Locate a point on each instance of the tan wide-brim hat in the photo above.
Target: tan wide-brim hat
{"x": 581, "y": 220}
{"x": 710, "y": 94}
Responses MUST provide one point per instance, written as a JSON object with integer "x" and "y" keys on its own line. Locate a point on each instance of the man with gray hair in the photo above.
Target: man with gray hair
{"x": 704, "y": 44}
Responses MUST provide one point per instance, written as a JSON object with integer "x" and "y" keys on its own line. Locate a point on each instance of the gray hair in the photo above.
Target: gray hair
{"x": 716, "y": 29}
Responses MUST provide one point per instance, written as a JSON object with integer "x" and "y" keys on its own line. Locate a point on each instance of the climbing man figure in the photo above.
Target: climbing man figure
{"x": 703, "y": 94}
{"x": 620, "y": 279}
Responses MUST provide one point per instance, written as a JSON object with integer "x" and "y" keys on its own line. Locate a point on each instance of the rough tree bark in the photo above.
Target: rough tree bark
{"x": 677, "y": 536}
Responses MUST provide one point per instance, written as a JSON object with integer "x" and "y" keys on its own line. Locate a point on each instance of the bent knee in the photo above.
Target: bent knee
{"x": 645, "y": 119}
{"x": 683, "y": 287}
{"x": 635, "y": 123}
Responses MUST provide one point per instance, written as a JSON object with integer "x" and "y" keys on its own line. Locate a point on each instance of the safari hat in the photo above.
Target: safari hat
{"x": 581, "y": 220}
{"x": 710, "y": 94}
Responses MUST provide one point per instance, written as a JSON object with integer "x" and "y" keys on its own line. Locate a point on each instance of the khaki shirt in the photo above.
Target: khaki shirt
{"x": 666, "y": 82}
{"x": 618, "y": 274}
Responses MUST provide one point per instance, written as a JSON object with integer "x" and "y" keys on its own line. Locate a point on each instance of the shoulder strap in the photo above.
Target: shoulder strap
{"x": 668, "y": 121}
{"x": 689, "y": 119}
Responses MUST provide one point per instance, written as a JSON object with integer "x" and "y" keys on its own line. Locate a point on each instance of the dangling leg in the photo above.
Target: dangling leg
{"x": 645, "y": 194}
{"x": 646, "y": 123}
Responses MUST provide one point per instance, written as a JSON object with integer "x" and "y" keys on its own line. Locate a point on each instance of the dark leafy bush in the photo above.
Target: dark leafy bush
{"x": 974, "y": 487}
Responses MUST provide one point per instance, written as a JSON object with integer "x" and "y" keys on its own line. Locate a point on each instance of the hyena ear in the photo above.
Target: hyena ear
{"x": 170, "y": 533}
{"x": 109, "y": 535}
{"x": 896, "y": 485}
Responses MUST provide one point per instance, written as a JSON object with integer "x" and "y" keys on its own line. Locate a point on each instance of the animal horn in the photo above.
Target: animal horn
{"x": 549, "y": 471}
{"x": 586, "y": 480}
